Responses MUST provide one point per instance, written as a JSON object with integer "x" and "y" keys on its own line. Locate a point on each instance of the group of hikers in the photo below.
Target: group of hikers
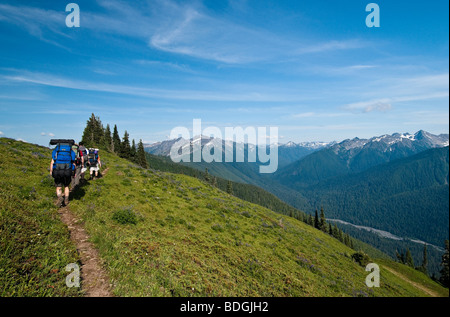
{"x": 69, "y": 163}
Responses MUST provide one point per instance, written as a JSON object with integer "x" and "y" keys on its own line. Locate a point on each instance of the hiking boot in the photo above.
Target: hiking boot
{"x": 59, "y": 202}
{"x": 66, "y": 201}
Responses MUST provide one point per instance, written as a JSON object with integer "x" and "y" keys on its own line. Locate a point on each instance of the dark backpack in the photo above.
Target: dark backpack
{"x": 82, "y": 148}
{"x": 93, "y": 157}
{"x": 63, "y": 166}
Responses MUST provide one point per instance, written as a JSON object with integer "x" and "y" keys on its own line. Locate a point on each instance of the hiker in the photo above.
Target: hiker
{"x": 79, "y": 162}
{"x": 94, "y": 163}
{"x": 62, "y": 168}
{"x": 84, "y": 152}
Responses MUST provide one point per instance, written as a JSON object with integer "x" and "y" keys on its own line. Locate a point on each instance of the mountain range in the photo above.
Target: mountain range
{"x": 357, "y": 155}
{"x": 287, "y": 153}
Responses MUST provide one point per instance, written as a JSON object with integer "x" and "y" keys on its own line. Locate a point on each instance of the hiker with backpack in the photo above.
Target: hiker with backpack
{"x": 79, "y": 160}
{"x": 94, "y": 163}
{"x": 84, "y": 152}
{"x": 62, "y": 168}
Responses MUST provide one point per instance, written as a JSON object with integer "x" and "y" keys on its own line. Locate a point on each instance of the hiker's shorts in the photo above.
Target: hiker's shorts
{"x": 62, "y": 181}
{"x": 94, "y": 169}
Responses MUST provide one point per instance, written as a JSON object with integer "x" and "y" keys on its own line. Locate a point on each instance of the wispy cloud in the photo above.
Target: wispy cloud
{"x": 38, "y": 22}
{"x": 304, "y": 115}
{"x": 193, "y": 32}
{"x": 381, "y": 105}
{"x": 333, "y": 45}
{"x": 317, "y": 115}
{"x": 47, "y": 134}
{"x": 259, "y": 94}
{"x": 401, "y": 90}
{"x": 166, "y": 65}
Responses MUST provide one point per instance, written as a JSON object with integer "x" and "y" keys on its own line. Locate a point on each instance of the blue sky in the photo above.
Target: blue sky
{"x": 311, "y": 68}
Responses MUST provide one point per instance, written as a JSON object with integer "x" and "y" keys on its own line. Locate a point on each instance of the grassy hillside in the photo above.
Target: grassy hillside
{"x": 162, "y": 234}
{"x": 248, "y": 192}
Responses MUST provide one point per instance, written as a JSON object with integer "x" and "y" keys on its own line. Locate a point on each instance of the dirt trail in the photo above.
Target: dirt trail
{"x": 94, "y": 279}
{"x": 416, "y": 285}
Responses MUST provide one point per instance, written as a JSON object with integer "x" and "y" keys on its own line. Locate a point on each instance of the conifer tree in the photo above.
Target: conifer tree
{"x": 310, "y": 220}
{"x": 402, "y": 258}
{"x": 229, "y": 188}
{"x": 408, "y": 258}
{"x": 133, "y": 152}
{"x": 444, "y": 279}
{"x": 316, "y": 220}
{"x": 424, "y": 267}
{"x": 140, "y": 155}
{"x": 107, "y": 140}
{"x": 116, "y": 141}
{"x": 346, "y": 240}
{"x": 125, "y": 148}
{"x": 336, "y": 231}
{"x": 99, "y": 132}
{"x": 399, "y": 257}
{"x": 340, "y": 235}
{"x": 322, "y": 221}
{"x": 206, "y": 175}
{"x": 88, "y": 133}
{"x": 93, "y": 133}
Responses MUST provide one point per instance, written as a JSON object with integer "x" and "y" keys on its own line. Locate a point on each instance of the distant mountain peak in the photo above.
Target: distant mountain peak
{"x": 420, "y": 138}
{"x": 316, "y": 145}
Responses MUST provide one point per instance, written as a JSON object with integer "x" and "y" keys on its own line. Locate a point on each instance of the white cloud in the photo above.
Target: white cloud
{"x": 331, "y": 46}
{"x": 1, "y": 133}
{"x": 35, "y": 21}
{"x": 381, "y": 105}
{"x": 255, "y": 94}
{"x": 49, "y": 134}
{"x": 378, "y": 106}
{"x": 165, "y": 65}
{"x": 304, "y": 115}
{"x": 190, "y": 31}
{"x": 317, "y": 115}
{"x": 401, "y": 90}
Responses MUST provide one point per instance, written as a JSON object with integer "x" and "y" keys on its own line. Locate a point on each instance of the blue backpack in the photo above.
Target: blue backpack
{"x": 63, "y": 157}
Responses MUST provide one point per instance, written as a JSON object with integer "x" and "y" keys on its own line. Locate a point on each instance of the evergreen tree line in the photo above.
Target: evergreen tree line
{"x": 407, "y": 259}
{"x": 95, "y": 135}
{"x": 319, "y": 222}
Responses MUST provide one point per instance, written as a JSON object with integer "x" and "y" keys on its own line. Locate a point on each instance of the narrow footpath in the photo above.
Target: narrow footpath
{"x": 416, "y": 285}
{"x": 94, "y": 279}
